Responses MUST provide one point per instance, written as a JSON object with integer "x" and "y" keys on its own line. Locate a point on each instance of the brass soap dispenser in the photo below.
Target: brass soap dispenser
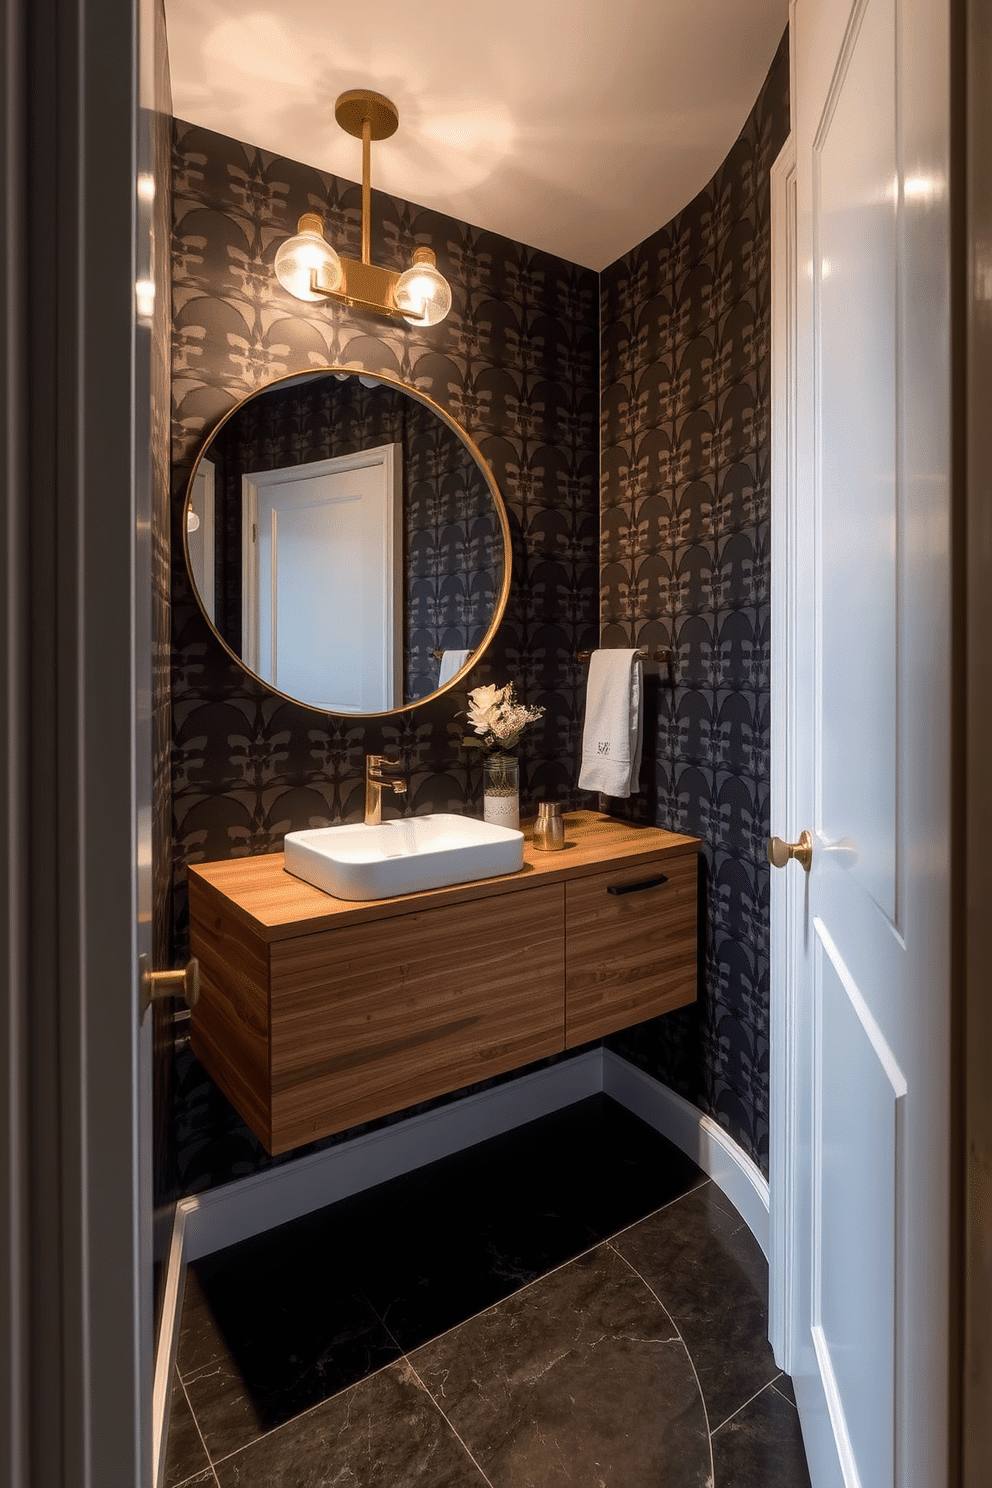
{"x": 549, "y": 829}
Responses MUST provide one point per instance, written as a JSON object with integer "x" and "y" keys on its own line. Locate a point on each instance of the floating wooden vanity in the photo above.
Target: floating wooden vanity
{"x": 316, "y": 1014}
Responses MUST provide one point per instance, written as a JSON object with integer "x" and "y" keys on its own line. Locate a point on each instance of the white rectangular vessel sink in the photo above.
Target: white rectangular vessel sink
{"x": 402, "y": 857}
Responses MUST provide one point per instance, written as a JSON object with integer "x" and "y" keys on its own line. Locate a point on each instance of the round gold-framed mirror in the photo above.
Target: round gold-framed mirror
{"x": 346, "y": 542}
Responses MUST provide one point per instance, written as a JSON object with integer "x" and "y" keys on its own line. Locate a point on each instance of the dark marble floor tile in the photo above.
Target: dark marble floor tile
{"x": 445, "y": 1261}
{"x": 578, "y": 1379}
{"x": 186, "y": 1456}
{"x": 290, "y": 1343}
{"x": 200, "y": 1340}
{"x": 384, "y": 1432}
{"x": 708, "y": 1270}
{"x": 761, "y": 1446}
{"x": 625, "y": 1170}
{"x": 206, "y": 1479}
{"x": 457, "y": 1236}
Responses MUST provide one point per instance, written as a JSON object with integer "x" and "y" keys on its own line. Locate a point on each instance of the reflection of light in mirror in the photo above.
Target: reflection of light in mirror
{"x": 369, "y": 382}
{"x": 146, "y": 186}
{"x": 192, "y": 521}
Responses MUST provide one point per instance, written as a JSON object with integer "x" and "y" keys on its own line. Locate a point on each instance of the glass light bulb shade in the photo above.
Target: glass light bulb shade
{"x": 299, "y": 256}
{"x": 422, "y": 295}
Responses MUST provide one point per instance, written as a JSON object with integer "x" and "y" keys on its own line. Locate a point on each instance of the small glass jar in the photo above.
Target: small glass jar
{"x": 501, "y": 790}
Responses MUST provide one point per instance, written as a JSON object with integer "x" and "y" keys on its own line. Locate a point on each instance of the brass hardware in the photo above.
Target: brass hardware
{"x": 549, "y": 829}
{"x": 359, "y": 107}
{"x": 780, "y": 852}
{"x": 362, "y": 284}
{"x": 365, "y": 286}
{"x": 367, "y": 116}
{"x": 156, "y": 986}
{"x": 380, "y": 772}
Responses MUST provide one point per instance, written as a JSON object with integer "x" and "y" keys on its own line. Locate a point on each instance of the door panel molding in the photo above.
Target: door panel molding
{"x": 873, "y": 77}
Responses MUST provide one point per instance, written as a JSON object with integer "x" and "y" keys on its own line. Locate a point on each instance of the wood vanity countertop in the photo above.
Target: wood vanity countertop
{"x": 276, "y": 906}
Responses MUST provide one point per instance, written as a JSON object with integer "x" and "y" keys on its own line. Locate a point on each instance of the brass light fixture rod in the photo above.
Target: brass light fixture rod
{"x": 367, "y": 116}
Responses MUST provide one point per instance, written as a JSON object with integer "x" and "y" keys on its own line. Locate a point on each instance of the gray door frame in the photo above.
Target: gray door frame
{"x": 75, "y": 1306}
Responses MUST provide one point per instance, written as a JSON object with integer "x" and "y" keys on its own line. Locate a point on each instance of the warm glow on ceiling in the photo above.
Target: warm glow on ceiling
{"x": 575, "y": 127}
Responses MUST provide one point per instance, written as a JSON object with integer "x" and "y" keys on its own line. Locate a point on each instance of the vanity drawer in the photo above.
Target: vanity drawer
{"x": 629, "y": 955}
{"x": 317, "y": 1014}
{"x": 362, "y": 1024}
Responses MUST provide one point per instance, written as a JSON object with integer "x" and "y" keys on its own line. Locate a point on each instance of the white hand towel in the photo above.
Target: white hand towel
{"x": 451, "y": 662}
{"x": 611, "y": 738}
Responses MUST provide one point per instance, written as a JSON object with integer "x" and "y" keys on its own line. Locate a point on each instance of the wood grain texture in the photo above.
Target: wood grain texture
{"x": 630, "y": 957}
{"x": 317, "y": 1014}
{"x": 275, "y": 904}
{"x": 230, "y": 1023}
{"x": 364, "y": 1023}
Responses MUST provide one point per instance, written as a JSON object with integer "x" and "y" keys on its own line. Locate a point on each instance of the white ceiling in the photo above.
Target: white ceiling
{"x": 576, "y": 126}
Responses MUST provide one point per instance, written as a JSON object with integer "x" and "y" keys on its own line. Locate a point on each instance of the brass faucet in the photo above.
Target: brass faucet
{"x": 380, "y": 772}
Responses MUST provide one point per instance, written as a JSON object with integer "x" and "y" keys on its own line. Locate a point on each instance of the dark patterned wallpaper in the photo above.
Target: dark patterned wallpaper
{"x": 516, "y": 364}
{"x": 685, "y": 562}
{"x": 451, "y": 558}
{"x": 684, "y": 559}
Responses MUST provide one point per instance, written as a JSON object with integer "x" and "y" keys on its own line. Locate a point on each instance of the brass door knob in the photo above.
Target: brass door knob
{"x": 780, "y": 852}
{"x": 157, "y": 985}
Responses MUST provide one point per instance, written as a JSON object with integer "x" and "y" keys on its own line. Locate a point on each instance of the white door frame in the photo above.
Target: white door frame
{"x": 786, "y": 1187}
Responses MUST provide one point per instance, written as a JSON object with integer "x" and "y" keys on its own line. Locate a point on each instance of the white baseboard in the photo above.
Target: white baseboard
{"x": 249, "y": 1206}
{"x": 264, "y": 1200}
{"x": 695, "y": 1134}
{"x": 174, "y": 1287}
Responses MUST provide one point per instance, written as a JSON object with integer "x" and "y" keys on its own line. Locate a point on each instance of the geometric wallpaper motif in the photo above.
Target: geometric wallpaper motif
{"x": 516, "y": 364}
{"x": 682, "y": 430}
{"x": 686, "y": 326}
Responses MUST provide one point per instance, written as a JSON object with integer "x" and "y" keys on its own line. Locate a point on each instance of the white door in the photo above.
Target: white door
{"x": 322, "y": 614}
{"x": 860, "y": 1276}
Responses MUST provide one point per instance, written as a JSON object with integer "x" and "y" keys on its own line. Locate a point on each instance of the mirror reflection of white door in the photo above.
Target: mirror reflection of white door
{"x": 322, "y": 589}
{"x": 200, "y": 534}
{"x": 861, "y": 1199}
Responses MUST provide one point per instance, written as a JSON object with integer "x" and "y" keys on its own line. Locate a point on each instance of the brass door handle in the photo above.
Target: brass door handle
{"x": 158, "y": 985}
{"x": 780, "y": 852}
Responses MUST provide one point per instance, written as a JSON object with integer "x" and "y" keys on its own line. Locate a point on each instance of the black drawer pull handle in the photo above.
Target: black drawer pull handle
{"x": 642, "y": 883}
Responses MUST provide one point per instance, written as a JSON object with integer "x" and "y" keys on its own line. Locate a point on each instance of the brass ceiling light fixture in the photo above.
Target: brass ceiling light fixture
{"x": 308, "y": 267}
